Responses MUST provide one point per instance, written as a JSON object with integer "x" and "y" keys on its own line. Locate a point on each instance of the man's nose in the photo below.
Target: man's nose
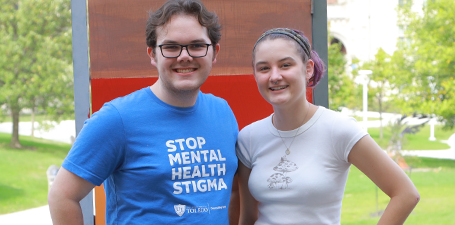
{"x": 185, "y": 55}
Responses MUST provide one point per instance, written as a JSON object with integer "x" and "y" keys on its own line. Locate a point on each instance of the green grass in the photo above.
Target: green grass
{"x": 418, "y": 141}
{"x": 436, "y": 187}
{"x": 23, "y": 179}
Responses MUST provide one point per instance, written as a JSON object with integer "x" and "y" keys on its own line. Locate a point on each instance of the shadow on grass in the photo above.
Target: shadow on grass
{"x": 36, "y": 144}
{"x": 422, "y": 162}
{"x": 8, "y": 192}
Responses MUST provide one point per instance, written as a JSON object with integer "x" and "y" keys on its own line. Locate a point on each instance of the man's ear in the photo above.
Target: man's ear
{"x": 217, "y": 49}
{"x": 151, "y": 55}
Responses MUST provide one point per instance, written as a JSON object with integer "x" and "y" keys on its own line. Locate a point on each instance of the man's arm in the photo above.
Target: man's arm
{"x": 248, "y": 205}
{"x": 64, "y": 196}
{"x": 234, "y": 205}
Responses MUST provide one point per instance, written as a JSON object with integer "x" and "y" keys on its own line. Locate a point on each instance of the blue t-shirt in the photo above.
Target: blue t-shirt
{"x": 160, "y": 164}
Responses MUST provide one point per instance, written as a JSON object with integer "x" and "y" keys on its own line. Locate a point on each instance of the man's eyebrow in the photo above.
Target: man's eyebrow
{"x": 175, "y": 42}
{"x": 199, "y": 41}
{"x": 169, "y": 42}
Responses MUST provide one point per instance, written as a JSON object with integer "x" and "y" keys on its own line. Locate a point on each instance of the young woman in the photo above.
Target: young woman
{"x": 294, "y": 164}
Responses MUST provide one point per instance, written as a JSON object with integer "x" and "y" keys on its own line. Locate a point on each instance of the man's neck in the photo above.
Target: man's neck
{"x": 175, "y": 98}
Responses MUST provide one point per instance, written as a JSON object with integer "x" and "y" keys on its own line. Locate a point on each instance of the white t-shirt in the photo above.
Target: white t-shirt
{"x": 306, "y": 186}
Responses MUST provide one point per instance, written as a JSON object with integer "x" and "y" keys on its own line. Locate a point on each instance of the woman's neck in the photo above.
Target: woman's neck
{"x": 290, "y": 118}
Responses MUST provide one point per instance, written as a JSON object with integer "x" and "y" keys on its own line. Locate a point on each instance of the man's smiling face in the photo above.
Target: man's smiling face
{"x": 183, "y": 74}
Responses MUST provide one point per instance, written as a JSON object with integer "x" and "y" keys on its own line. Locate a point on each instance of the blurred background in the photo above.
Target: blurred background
{"x": 391, "y": 66}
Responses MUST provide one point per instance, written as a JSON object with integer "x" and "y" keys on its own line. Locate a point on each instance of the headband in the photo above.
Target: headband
{"x": 290, "y": 33}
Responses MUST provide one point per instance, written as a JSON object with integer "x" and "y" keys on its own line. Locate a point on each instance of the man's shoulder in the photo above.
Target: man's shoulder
{"x": 131, "y": 97}
{"x": 211, "y": 100}
{"x": 126, "y": 104}
{"x": 211, "y": 97}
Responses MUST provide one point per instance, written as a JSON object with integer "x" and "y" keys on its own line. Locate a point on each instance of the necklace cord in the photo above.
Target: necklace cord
{"x": 288, "y": 151}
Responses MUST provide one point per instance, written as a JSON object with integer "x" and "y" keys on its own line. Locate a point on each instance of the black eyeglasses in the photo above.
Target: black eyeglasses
{"x": 195, "y": 50}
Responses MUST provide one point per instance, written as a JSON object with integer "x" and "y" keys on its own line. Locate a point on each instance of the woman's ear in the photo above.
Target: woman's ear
{"x": 309, "y": 69}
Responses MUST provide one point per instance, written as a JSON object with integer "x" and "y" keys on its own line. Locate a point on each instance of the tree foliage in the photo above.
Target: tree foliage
{"x": 384, "y": 78}
{"x": 342, "y": 89}
{"x": 426, "y": 58}
{"x": 35, "y": 70}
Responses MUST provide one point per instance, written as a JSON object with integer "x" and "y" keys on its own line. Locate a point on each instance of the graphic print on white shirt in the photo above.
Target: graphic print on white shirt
{"x": 278, "y": 179}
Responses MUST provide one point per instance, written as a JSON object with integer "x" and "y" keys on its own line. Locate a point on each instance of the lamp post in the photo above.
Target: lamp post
{"x": 432, "y": 123}
{"x": 364, "y": 75}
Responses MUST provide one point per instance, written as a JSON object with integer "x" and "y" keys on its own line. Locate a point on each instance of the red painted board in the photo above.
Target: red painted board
{"x": 240, "y": 91}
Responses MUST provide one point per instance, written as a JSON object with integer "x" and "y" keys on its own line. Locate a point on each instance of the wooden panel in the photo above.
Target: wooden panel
{"x": 119, "y": 64}
{"x": 100, "y": 205}
{"x": 117, "y": 33}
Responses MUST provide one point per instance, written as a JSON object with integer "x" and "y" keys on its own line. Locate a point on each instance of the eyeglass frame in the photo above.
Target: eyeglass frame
{"x": 181, "y": 49}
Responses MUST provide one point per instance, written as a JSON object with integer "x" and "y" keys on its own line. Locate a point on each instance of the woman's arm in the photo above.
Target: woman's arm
{"x": 369, "y": 158}
{"x": 248, "y": 205}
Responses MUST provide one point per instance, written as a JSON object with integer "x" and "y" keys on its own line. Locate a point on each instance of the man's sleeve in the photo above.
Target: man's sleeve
{"x": 99, "y": 148}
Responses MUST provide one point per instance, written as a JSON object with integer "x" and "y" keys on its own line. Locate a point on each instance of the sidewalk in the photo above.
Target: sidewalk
{"x": 64, "y": 132}
{"x": 389, "y": 117}
{"x": 35, "y": 216}
{"x": 440, "y": 154}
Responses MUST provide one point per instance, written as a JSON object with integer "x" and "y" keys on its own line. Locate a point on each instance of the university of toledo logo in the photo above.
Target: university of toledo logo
{"x": 180, "y": 209}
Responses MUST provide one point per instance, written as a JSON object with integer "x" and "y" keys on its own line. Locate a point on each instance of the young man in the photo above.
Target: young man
{"x": 166, "y": 153}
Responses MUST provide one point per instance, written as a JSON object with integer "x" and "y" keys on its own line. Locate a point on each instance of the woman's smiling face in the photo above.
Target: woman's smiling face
{"x": 279, "y": 71}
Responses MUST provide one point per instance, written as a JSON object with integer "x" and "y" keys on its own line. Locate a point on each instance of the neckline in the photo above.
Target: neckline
{"x": 176, "y": 108}
{"x": 303, "y": 128}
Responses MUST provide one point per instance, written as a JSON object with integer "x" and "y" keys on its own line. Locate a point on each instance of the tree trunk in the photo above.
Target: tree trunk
{"x": 33, "y": 122}
{"x": 380, "y": 125}
{"x": 15, "y": 134}
{"x": 380, "y": 116}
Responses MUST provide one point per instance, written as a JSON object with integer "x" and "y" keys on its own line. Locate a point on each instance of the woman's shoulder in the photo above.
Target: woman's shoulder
{"x": 253, "y": 128}
{"x": 335, "y": 115}
{"x": 341, "y": 124}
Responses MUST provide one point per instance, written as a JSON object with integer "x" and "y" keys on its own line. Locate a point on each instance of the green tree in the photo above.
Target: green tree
{"x": 342, "y": 89}
{"x": 36, "y": 71}
{"x": 427, "y": 58}
{"x": 384, "y": 79}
